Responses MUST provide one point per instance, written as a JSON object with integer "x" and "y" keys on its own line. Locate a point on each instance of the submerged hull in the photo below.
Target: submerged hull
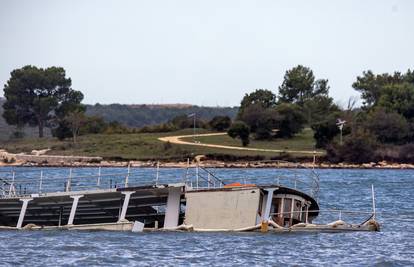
{"x": 193, "y": 205}
{"x": 271, "y": 208}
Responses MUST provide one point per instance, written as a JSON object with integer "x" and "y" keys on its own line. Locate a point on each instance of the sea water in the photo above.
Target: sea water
{"x": 339, "y": 189}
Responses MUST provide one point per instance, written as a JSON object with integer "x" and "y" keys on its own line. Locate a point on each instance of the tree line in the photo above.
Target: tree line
{"x": 301, "y": 100}
{"x": 381, "y": 129}
{"x": 136, "y": 116}
{"x": 44, "y": 98}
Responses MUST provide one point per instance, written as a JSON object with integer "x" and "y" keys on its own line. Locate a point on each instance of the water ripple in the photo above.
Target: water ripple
{"x": 393, "y": 246}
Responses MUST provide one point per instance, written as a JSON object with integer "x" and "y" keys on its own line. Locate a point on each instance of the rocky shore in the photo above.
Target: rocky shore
{"x": 39, "y": 158}
{"x": 209, "y": 164}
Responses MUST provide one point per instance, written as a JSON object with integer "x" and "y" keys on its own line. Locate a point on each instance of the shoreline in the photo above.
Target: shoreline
{"x": 212, "y": 164}
{"x": 39, "y": 158}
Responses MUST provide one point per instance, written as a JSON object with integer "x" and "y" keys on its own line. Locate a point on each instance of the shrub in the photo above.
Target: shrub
{"x": 324, "y": 132}
{"x": 115, "y": 127}
{"x": 167, "y": 145}
{"x": 406, "y": 153}
{"x": 184, "y": 121}
{"x": 160, "y": 128}
{"x": 291, "y": 120}
{"x": 220, "y": 123}
{"x": 93, "y": 125}
{"x": 359, "y": 147}
{"x": 241, "y": 130}
{"x": 388, "y": 127}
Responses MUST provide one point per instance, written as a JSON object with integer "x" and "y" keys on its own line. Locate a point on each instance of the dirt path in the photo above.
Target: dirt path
{"x": 177, "y": 140}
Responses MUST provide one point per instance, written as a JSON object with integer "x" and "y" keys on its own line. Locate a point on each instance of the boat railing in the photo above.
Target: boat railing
{"x": 203, "y": 179}
{"x": 21, "y": 183}
{"x": 303, "y": 174}
{"x": 331, "y": 215}
{"x": 304, "y": 179}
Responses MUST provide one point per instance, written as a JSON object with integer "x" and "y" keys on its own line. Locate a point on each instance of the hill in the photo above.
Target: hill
{"x": 147, "y": 146}
{"x": 133, "y": 115}
{"x": 141, "y": 115}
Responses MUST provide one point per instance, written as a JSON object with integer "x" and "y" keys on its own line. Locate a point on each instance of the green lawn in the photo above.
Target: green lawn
{"x": 146, "y": 146}
{"x": 302, "y": 141}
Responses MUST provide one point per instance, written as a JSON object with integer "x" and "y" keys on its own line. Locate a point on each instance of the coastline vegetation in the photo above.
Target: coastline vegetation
{"x": 146, "y": 146}
{"x": 301, "y": 116}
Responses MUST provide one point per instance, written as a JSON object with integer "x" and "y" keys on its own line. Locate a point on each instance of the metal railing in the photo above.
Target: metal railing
{"x": 25, "y": 182}
{"x": 21, "y": 183}
{"x": 203, "y": 178}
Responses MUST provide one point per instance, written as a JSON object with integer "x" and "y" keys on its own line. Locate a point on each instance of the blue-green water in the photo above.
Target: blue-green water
{"x": 344, "y": 189}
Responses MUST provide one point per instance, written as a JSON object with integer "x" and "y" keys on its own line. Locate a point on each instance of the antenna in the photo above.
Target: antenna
{"x": 373, "y": 202}
{"x": 194, "y": 115}
{"x": 340, "y": 123}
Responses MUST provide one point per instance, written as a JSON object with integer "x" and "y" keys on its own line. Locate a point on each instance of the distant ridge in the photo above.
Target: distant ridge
{"x": 134, "y": 115}
{"x": 150, "y": 114}
{"x": 155, "y": 106}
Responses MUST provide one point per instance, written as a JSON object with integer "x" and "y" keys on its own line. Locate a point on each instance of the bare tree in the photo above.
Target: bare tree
{"x": 76, "y": 120}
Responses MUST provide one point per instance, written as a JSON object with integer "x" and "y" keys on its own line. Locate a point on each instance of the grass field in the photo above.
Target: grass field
{"x": 146, "y": 146}
{"x": 302, "y": 141}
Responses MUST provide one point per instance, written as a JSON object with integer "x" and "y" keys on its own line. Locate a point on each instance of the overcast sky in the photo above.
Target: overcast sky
{"x": 204, "y": 52}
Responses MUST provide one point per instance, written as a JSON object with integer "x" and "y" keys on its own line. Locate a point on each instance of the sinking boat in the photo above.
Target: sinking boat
{"x": 200, "y": 202}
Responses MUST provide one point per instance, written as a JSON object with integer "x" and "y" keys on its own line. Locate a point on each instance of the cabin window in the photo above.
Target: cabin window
{"x": 297, "y": 207}
{"x": 287, "y": 205}
{"x": 276, "y": 206}
{"x": 261, "y": 203}
{"x": 303, "y": 214}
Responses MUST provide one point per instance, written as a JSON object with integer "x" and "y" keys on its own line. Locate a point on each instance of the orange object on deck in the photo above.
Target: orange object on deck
{"x": 237, "y": 184}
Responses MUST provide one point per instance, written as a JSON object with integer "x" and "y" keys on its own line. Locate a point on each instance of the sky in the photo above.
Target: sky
{"x": 209, "y": 52}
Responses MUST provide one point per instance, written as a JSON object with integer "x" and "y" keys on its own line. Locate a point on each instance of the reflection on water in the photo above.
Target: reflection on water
{"x": 343, "y": 189}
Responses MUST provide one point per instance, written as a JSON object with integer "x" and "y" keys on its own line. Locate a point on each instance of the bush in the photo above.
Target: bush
{"x": 359, "y": 147}
{"x": 388, "y": 127}
{"x": 241, "y": 130}
{"x": 167, "y": 145}
{"x": 233, "y": 158}
{"x": 406, "y": 153}
{"x": 261, "y": 120}
{"x": 184, "y": 121}
{"x": 62, "y": 131}
{"x": 17, "y": 134}
{"x": 324, "y": 132}
{"x": 220, "y": 123}
{"x": 115, "y": 127}
{"x": 93, "y": 125}
{"x": 160, "y": 128}
{"x": 291, "y": 120}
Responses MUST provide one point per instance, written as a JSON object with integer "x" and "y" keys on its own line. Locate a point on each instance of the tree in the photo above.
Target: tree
{"x": 260, "y": 98}
{"x": 317, "y": 108}
{"x": 62, "y": 131}
{"x": 241, "y": 130}
{"x": 183, "y": 122}
{"x": 299, "y": 85}
{"x": 371, "y": 85}
{"x": 220, "y": 123}
{"x": 93, "y": 125}
{"x": 115, "y": 127}
{"x": 324, "y": 132}
{"x": 398, "y": 98}
{"x": 261, "y": 121}
{"x": 76, "y": 119}
{"x": 291, "y": 120}
{"x": 35, "y": 96}
{"x": 388, "y": 127}
{"x": 358, "y": 147}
